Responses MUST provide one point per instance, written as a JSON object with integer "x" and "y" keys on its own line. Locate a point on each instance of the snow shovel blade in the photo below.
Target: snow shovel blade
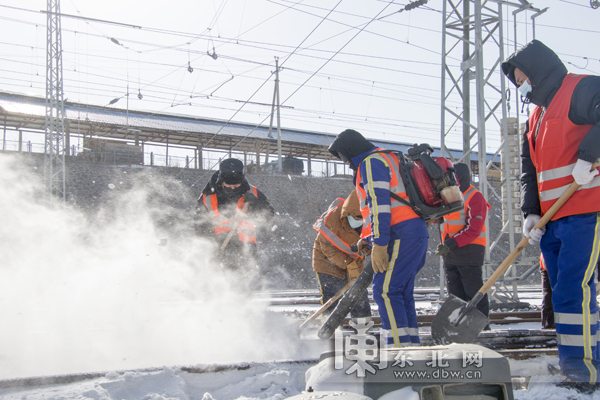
{"x": 448, "y": 327}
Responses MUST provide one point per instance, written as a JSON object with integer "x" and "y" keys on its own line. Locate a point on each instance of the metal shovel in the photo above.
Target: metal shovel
{"x": 460, "y": 322}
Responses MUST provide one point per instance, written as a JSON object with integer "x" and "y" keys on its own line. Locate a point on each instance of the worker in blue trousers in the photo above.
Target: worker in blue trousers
{"x": 397, "y": 235}
{"x": 560, "y": 145}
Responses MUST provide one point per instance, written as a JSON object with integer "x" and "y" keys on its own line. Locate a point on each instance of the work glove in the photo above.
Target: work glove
{"x": 251, "y": 199}
{"x": 379, "y": 258}
{"x": 442, "y": 249}
{"x": 352, "y": 271}
{"x": 583, "y": 172}
{"x": 363, "y": 248}
{"x": 446, "y": 247}
{"x": 534, "y": 235}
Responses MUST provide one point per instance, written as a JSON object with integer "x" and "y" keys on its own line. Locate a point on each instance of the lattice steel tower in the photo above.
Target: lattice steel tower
{"x": 54, "y": 151}
{"x": 469, "y": 27}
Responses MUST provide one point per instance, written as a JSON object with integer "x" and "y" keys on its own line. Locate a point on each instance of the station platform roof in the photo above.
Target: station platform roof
{"x": 19, "y": 111}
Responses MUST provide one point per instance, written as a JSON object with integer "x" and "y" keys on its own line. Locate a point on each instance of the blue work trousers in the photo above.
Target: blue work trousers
{"x": 393, "y": 291}
{"x": 570, "y": 247}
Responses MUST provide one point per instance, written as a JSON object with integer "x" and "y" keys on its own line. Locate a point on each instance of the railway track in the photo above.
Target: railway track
{"x": 510, "y": 341}
{"x": 304, "y": 302}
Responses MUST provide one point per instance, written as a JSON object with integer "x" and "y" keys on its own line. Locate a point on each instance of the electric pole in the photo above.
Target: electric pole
{"x": 54, "y": 151}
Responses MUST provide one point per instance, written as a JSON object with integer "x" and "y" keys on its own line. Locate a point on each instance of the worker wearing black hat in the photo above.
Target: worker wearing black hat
{"x": 229, "y": 202}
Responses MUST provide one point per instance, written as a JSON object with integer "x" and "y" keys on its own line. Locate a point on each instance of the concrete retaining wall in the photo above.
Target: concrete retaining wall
{"x": 285, "y": 253}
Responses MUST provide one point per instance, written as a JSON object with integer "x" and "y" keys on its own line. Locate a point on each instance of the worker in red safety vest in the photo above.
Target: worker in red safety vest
{"x": 397, "y": 235}
{"x": 560, "y": 146}
{"x": 333, "y": 260}
{"x": 222, "y": 203}
{"x": 464, "y": 243}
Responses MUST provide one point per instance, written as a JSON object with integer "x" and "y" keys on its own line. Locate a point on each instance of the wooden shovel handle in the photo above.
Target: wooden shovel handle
{"x": 523, "y": 243}
{"x": 327, "y": 304}
{"x": 236, "y": 223}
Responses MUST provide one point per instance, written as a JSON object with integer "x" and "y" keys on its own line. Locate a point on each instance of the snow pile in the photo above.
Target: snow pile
{"x": 84, "y": 294}
{"x": 257, "y": 381}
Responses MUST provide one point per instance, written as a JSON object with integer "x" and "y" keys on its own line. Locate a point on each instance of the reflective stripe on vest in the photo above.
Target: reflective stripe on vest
{"x": 399, "y": 211}
{"x": 246, "y": 229}
{"x": 553, "y": 145}
{"x": 455, "y": 222}
{"x": 321, "y": 226}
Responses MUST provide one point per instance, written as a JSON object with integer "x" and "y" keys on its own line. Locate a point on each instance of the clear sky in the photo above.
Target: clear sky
{"x": 351, "y": 64}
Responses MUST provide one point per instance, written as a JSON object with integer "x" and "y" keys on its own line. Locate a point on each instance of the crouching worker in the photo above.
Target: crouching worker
{"x": 333, "y": 261}
{"x": 222, "y": 205}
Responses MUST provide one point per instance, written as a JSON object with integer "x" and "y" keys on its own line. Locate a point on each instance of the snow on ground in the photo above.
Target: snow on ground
{"x": 257, "y": 381}
{"x": 109, "y": 296}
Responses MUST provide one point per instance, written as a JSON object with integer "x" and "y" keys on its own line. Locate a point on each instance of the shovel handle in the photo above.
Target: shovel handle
{"x": 327, "y": 304}
{"x": 236, "y": 223}
{"x": 523, "y": 243}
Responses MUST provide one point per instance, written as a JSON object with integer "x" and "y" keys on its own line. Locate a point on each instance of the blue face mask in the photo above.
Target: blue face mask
{"x": 525, "y": 89}
{"x": 355, "y": 223}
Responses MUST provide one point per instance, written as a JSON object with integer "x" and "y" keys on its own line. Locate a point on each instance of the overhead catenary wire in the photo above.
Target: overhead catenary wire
{"x": 157, "y": 83}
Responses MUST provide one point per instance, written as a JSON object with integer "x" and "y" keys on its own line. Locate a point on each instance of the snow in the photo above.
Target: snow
{"x": 105, "y": 296}
{"x": 259, "y": 381}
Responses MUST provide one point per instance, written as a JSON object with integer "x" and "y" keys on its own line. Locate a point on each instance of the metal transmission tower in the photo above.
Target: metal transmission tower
{"x": 469, "y": 28}
{"x": 54, "y": 152}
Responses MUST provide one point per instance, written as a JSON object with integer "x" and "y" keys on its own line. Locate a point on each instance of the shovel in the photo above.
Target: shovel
{"x": 236, "y": 223}
{"x": 326, "y": 305}
{"x": 460, "y": 322}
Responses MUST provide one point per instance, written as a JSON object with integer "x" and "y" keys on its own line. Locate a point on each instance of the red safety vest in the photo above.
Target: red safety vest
{"x": 553, "y": 144}
{"x": 321, "y": 226}
{"x": 399, "y": 211}
{"x": 455, "y": 222}
{"x": 246, "y": 229}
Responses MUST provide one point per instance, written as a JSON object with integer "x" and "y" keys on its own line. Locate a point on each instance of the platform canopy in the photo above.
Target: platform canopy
{"x": 20, "y": 112}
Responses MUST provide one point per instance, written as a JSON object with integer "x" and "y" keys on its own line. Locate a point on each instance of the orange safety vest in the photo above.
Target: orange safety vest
{"x": 321, "y": 226}
{"x": 455, "y": 222}
{"x": 553, "y": 145}
{"x": 246, "y": 229}
{"x": 399, "y": 211}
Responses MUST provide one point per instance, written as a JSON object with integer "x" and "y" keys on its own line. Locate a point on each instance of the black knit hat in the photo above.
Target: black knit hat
{"x": 231, "y": 171}
{"x": 348, "y": 145}
{"x": 463, "y": 175}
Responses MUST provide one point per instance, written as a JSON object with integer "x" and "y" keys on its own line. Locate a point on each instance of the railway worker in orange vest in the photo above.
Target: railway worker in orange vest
{"x": 221, "y": 202}
{"x": 397, "y": 235}
{"x": 560, "y": 145}
{"x": 333, "y": 260}
{"x": 464, "y": 242}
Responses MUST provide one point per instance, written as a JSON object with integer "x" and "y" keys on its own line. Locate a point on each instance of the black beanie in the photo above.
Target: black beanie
{"x": 231, "y": 171}
{"x": 348, "y": 145}
{"x": 463, "y": 175}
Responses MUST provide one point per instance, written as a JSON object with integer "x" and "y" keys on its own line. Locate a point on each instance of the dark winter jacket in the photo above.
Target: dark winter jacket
{"x": 259, "y": 210}
{"x": 463, "y": 252}
{"x": 546, "y": 73}
{"x": 327, "y": 258}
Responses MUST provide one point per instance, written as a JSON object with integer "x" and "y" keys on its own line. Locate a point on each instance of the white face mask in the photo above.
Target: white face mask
{"x": 355, "y": 223}
{"x": 525, "y": 89}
